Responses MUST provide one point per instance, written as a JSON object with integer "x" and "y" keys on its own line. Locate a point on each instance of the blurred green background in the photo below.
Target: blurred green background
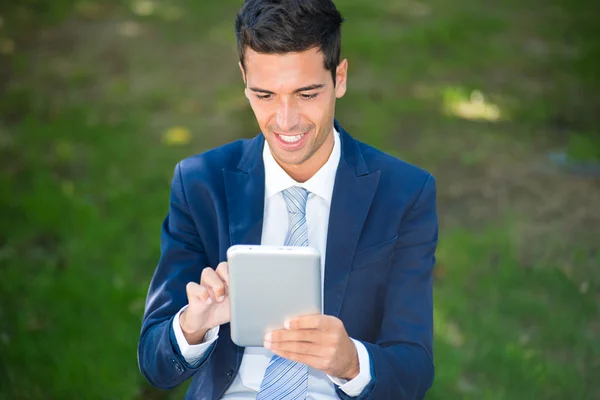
{"x": 499, "y": 100}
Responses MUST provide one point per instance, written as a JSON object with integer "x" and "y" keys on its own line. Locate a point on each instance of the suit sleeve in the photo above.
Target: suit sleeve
{"x": 182, "y": 260}
{"x": 402, "y": 357}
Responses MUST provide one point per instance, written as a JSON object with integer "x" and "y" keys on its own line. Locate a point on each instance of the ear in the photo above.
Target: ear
{"x": 246, "y": 91}
{"x": 341, "y": 75}
{"x": 243, "y": 72}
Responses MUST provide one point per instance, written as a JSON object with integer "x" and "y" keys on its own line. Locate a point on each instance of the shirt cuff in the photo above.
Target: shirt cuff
{"x": 355, "y": 386}
{"x": 192, "y": 353}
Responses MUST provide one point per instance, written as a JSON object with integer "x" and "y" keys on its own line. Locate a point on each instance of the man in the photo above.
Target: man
{"x": 372, "y": 217}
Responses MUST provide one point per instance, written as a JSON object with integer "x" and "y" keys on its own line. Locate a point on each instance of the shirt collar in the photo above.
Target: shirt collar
{"x": 320, "y": 184}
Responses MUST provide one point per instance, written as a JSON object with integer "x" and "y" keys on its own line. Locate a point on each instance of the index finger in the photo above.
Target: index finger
{"x": 223, "y": 271}
{"x": 211, "y": 280}
{"x": 313, "y": 321}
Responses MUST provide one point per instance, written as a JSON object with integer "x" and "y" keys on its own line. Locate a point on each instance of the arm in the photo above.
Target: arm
{"x": 402, "y": 358}
{"x": 193, "y": 354}
{"x": 182, "y": 261}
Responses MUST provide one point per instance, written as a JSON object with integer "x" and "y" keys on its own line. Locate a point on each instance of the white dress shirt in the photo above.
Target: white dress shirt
{"x": 275, "y": 226}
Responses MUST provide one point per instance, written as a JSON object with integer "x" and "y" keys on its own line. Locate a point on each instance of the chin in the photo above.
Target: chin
{"x": 289, "y": 160}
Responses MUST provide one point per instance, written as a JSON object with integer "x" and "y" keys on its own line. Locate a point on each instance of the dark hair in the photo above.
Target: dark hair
{"x": 284, "y": 26}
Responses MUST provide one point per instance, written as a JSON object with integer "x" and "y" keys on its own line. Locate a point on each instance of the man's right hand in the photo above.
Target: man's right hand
{"x": 208, "y": 304}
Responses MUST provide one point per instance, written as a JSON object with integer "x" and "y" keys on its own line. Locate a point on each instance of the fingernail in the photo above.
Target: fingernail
{"x": 268, "y": 337}
{"x": 267, "y": 345}
{"x": 286, "y": 323}
{"x": 209, "y": 301}
{"x": 220, "y": 299}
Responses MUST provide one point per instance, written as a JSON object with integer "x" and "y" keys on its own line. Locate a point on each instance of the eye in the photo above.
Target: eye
{"x": 264, "y": 96}
{"x": 309, "y": 96}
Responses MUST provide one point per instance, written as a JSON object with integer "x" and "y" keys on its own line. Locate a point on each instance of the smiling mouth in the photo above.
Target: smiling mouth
{"x": 291, "y": 139}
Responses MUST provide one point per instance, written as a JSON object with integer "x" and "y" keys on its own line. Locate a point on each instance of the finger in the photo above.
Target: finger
{"x": 211, "y": 294}
{"x": 195, "y": 290}
{"x": 305, "y": 348}
{"x": 211, "y": 280}
{"x": 300, "y": 335}
{"x": 223, "y": 272}
{"x": 314, "y": 321}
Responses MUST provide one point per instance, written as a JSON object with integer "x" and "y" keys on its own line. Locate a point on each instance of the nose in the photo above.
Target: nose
{"x": 287, "y": 115}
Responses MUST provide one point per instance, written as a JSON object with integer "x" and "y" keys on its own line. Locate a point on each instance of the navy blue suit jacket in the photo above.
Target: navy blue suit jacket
{"x": 381, "y": 242}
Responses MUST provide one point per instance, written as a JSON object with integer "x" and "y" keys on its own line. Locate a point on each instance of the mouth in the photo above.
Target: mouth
{"x": 291, "y": 142}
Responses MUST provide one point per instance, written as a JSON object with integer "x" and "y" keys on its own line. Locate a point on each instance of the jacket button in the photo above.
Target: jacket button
{"x": 229, "y": 375}
{"x": 177, "y": 366}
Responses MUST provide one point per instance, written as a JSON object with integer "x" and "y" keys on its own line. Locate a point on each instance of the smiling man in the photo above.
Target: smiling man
{"x": 293, "y": 97}
{"x": 371, "y": 216}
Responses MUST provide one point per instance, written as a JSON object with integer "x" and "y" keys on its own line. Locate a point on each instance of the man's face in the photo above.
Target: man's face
{"x": 293, "y": 98}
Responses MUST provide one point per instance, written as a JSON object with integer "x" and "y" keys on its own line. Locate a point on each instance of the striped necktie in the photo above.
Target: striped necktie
{"x": 285, "y": 379}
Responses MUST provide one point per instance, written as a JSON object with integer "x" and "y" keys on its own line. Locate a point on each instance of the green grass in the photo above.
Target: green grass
{"x": 85, "y": 170}
{"x": 531, "y": 336}
{"x": 584, "y": 147}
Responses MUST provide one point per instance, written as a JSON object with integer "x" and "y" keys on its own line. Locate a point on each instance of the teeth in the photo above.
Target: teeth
{"x": 291, "y": 139}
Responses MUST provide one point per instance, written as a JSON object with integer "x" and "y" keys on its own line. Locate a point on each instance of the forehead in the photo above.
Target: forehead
{"x": 282, "y": 72}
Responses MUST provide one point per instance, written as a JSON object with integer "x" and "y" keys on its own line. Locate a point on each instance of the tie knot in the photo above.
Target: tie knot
{"x": 295, "y": 199}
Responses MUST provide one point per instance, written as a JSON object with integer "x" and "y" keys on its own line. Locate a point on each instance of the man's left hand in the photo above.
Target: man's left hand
{"x": 319, "y": 341}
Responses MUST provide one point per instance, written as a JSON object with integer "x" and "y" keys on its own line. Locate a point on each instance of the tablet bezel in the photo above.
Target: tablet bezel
{"x": 268, "y": 284}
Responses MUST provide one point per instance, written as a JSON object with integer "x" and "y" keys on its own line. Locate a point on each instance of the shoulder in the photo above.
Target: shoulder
{"x": 211, "y": 162}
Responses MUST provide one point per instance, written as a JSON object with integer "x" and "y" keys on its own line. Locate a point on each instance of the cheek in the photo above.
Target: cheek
{"x": 315, "y": 109}
{"x": 318, "y": 112}
{"x": 261, "y": 112}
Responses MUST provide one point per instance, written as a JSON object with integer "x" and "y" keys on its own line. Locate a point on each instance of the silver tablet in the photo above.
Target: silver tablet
{"x": 268, "y": 284}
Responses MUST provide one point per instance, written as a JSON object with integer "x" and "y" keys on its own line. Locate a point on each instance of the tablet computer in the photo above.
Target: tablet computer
{"x": 268, "y": 284}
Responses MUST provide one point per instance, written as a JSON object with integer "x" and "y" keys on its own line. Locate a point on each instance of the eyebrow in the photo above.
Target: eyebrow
{"x": 302, "y": 89}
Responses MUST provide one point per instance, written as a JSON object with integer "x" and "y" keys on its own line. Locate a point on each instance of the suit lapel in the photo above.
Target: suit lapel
{"x": 245, "y": 191}
{"x": 353, "y": 193}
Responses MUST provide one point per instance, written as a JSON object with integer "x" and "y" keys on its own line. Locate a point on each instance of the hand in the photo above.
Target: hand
{"x": 319, "y": 341}
{"x": 208, "y": 303}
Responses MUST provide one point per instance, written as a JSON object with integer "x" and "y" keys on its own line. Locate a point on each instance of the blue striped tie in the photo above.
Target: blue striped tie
{"x": 285, "y": 379}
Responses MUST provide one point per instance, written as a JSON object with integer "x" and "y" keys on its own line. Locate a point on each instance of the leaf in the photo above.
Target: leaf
{"x": 177, "y": 136}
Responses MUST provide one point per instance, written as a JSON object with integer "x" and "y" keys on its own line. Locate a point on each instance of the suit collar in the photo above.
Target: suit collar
{"x": 351, "y": 153}
{"x": 244, "y": 190}
{"x": 251, "y": 153}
